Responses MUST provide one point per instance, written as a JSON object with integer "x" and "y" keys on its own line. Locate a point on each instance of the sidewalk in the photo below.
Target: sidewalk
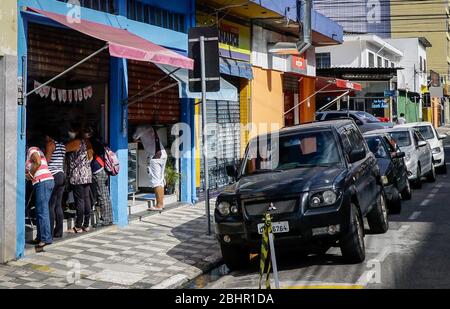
{"x": 161, "y": 251}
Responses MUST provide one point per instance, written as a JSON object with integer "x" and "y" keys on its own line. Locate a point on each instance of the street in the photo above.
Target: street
{"x": 412, "y": 254}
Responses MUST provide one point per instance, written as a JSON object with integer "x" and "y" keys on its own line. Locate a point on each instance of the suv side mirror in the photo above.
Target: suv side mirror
{"x": 357, "y": 155}
{"x": 442, "y": 136}
{"x": 232, "y": 171}
{"x": 359, "y": 122}
{"x": 398, "y": 155}
{"x": 421, "y": 144}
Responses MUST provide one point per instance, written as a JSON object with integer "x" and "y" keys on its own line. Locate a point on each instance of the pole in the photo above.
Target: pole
{"x": 205, "y": 141}
{"x": 274, "y": 261}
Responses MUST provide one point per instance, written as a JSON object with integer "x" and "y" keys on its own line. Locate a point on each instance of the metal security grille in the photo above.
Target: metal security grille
{"x": 259, "y": 208}
{"x": 163, "y": 107}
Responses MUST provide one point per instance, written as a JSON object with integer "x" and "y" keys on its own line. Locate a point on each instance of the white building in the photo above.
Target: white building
{"x": 360, "y": 51}
{"x": 413, "y": 77}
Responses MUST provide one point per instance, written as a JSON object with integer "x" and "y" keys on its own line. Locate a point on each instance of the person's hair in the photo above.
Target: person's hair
{"x": 401, "y": 114}
{"x": 76, "y": 128}
{"x": 53, "y": 132}
{"x": 37, "y": 139}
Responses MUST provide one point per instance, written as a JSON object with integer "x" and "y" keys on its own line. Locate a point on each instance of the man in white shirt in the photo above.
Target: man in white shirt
{"x": 401, "y": 119}
{"x": 156, "y": 162}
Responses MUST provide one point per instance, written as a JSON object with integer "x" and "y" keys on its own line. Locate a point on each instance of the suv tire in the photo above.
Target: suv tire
{"x": 431, "y": 177}
{"x": 395, "y": 205}
{"x": 407, "y": 192}
{"x": 418, "y": 180}
{"x": 352, "y": 243}
{"x": 235, "y": 257}
{"x": 377, "y": 217}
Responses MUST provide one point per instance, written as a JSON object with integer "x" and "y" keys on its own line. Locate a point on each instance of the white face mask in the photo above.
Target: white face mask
{"x": 72, "y": 135}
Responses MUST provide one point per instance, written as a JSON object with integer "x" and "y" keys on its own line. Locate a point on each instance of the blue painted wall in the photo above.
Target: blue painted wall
{"x": 118, "y": 91}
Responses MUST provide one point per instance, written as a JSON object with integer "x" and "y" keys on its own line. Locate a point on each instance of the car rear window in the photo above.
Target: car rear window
{"x": 426, "y": 131}
{"x": 402, "y": 137}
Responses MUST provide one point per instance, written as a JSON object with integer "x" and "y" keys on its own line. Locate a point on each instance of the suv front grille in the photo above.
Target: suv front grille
{"x": 259, "y": 208}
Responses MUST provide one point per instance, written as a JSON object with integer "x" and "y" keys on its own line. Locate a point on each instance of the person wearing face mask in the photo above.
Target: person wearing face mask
{"x": 79, "y": 174}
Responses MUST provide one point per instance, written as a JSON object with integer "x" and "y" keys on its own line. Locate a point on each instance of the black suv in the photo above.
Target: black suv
{"x": 317, "y": 180}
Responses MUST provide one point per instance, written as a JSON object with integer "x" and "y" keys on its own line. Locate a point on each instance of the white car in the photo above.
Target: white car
{"x": 435, "y": 140}
{"x": 418, "y": 154}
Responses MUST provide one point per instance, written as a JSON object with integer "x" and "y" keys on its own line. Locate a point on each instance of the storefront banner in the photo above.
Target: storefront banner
{"x": 64, "y": 95}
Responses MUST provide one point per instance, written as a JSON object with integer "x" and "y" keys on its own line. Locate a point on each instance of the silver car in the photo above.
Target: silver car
{"x": 418, "y": 154}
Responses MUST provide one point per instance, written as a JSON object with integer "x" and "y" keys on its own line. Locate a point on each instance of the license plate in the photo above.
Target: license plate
{"x": 277, "y": 227}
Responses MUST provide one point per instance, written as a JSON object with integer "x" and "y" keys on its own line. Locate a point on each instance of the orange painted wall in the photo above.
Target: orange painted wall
{"x": 307, "y": 109}
{"x": 267, "y": 103}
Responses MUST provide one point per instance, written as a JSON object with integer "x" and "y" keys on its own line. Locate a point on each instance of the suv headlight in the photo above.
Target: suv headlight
{"x": 224, "y": 208}
{"x": 321, "y": 199}
{"x": 436, "y": 150}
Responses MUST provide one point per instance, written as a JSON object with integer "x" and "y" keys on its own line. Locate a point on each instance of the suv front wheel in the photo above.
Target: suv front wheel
{"x": 235, "y": 257}
{"x": 352, "y": 243}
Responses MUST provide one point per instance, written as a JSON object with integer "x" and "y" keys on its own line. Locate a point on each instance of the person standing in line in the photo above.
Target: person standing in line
{"x": 55, "y": 153}
{"x": 156, "y": 162}
{"x": 401, "y": 119}
{"x": 100, "y": 179}
{"x": 38, "y": 173}
{"x": 79, "y": 160}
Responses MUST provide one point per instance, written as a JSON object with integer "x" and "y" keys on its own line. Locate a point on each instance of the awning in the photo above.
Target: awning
{"x": 227, "y": 91}
{"x": 328, "y": 85}
{"x": 236, "y": 68}
{"x": 337, "y": 84}
{"x": 122, "y": 43}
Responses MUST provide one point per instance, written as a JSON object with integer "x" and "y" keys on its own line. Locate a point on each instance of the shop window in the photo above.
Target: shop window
{"x": 152, "y": 15}
{"x": 99, "y": 5}
{"x": 323, "y": 60}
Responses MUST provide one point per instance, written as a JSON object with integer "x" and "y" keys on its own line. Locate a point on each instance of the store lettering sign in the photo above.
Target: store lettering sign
{"x": 299, "y": 63}
{"x": 380, "y": 103}
{"x": 229, "y": 35}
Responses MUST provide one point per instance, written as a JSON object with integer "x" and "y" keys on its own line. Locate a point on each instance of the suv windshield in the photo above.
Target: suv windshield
{"x": 402, "y": 137}
{"x": 426, "y": 131}
{"x": 367, "y": 117}
{"x": 273, "y": 153}
{"x": 375, "y": 144}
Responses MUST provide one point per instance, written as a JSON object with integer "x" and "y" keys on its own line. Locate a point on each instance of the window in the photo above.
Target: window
{"x": 152, "y": 15}
{"x": 392, "y": 65}
{"x": 386, "y": 63}
{"x": 379, "y": 62}
{"x": 323, "y": 60}
{"x": 99, "y": 5}
{"x": 371, "y": 60}
{"x": 424, "y": 65}
{"x": 402, "y": 138}
{"x": 420, "y": 64}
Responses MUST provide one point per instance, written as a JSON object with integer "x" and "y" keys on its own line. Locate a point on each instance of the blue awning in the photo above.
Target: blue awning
{"x": 227, "y": 91}
{"x": 236, "y": 68}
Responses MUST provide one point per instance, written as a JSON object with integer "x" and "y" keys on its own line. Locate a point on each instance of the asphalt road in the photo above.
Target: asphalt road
{"x": 414, "y": 253}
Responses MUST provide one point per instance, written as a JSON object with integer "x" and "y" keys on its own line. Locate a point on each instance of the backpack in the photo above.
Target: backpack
{"x": 112, "y": 165}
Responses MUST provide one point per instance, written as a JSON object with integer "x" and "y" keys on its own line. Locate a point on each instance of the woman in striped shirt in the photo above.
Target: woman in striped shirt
{"x": 55, "y": 153}
{"x": 38, "y": 173}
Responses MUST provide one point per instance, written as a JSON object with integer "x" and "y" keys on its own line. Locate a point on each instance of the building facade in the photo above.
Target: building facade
{"x": 8, "y": 131}
{"x": 112, "y": 95}
{"x": 358, "y": 16}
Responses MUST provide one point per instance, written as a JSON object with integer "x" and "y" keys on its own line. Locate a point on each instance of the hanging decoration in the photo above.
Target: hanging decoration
{"x": 64, "y": 95}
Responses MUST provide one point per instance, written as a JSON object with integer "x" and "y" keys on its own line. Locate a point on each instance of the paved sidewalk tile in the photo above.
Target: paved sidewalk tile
{"x": 141, "y": 255}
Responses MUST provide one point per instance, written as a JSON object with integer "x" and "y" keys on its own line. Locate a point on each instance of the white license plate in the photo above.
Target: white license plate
{"x": 277, "y": 227}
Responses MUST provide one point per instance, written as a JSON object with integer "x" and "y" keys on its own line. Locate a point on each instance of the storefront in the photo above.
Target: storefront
{"x": 110, "y": 67}
{"x": 228, "y": 140}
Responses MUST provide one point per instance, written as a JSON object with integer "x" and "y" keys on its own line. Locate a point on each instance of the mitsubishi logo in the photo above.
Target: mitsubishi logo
{"x": 271, "y": 207}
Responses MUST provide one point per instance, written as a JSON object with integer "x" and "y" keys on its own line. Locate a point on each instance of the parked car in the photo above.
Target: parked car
{"x": 435, "y": 140}
{"x": 317, "y": 180}
{"x": 365, "y": 121}
{"x": 418, "y": 155}
{"x": 393, "y": 171}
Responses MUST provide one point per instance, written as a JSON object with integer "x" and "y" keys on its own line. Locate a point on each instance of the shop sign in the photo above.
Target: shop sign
{"x": 234, "y": 41}
{"x": 380, "y": 103}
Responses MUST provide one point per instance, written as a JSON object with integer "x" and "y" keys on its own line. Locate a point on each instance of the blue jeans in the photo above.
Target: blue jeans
{"x": 43, "y": 192}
